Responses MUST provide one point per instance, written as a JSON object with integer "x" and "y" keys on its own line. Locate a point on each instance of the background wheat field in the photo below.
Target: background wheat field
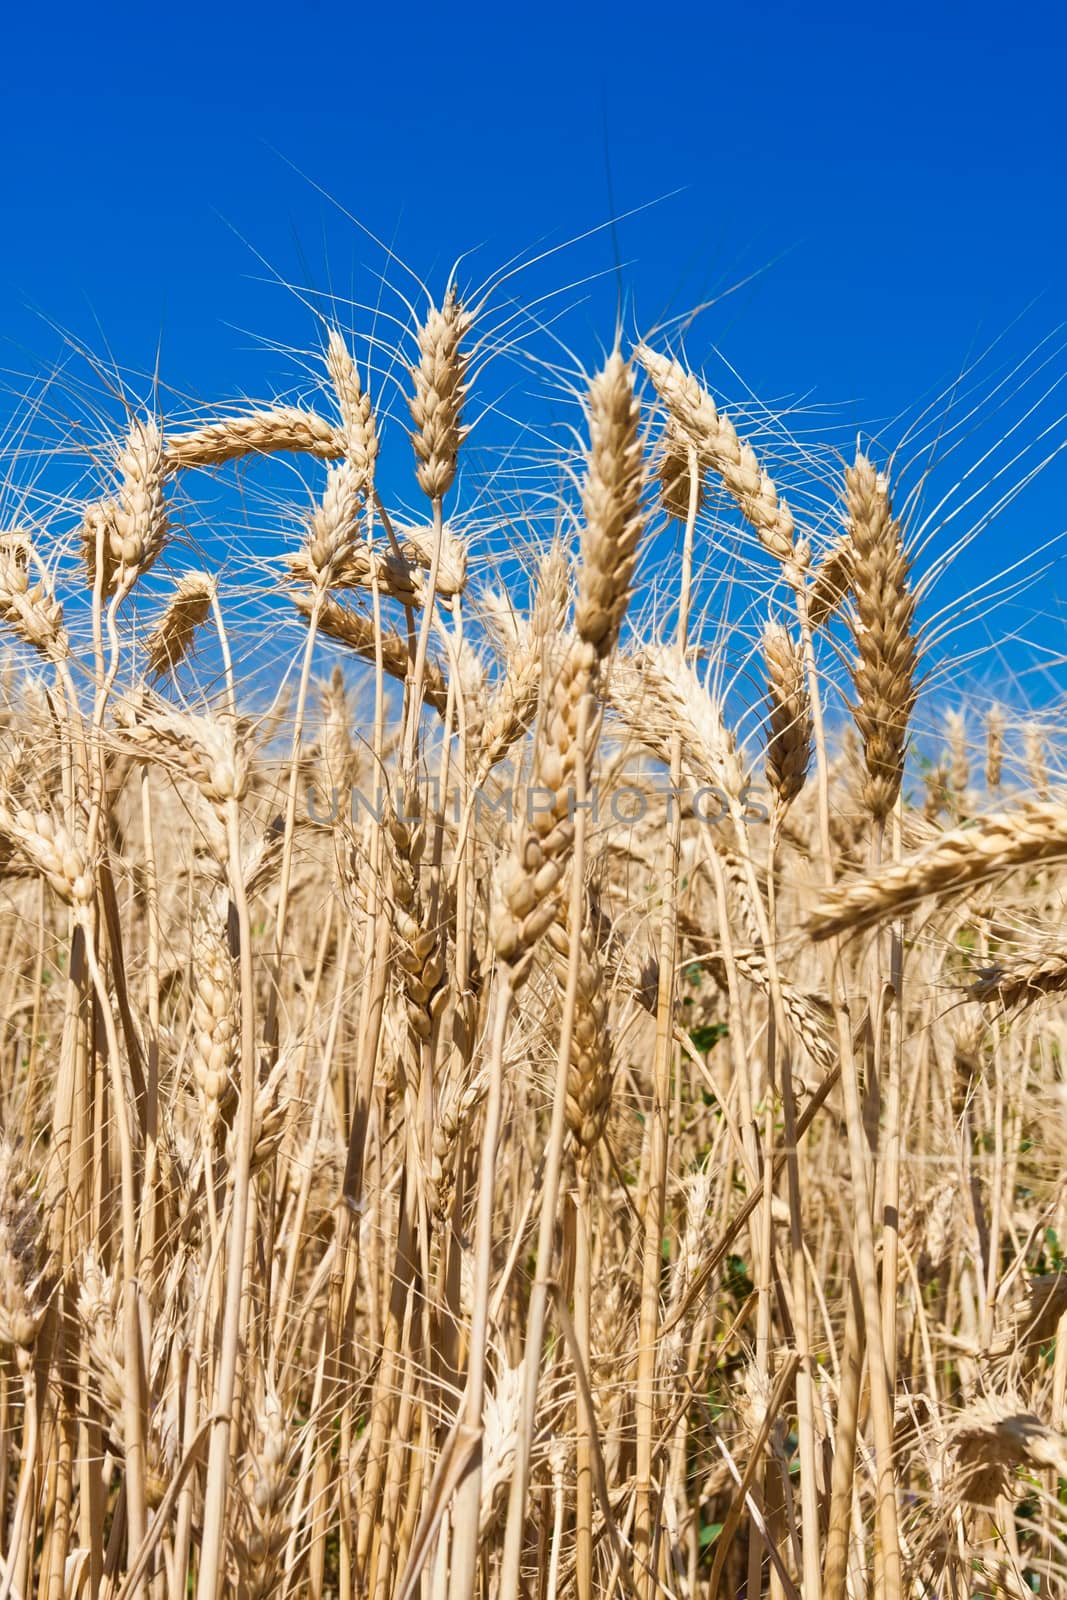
{"x": 533, "y": 1009}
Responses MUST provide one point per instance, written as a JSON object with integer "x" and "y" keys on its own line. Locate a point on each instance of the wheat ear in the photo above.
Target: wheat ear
{"x": 356, "y": 631}
{"x": 987, "y": 847}
{"x": 437, "y": 403}
{"x": 27, "y": 601}
{"x": 357, "y": 415}
{"x": 789, "y": 731}
{"x": 715, "y": 440}
{"x": 1021, "y": 982}
{"x": 884, "y": 672}
{"x": 830, "y": 580}
{"x": 138, "y": 524}
{"x": 675, "y": 475}
{"x": 994, "y": 749}
{"x": 280, "y": 429}
{"x": 172, "y": 636}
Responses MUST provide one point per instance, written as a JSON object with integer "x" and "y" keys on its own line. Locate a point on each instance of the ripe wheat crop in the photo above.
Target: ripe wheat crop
{"x": 440, "y": 1156}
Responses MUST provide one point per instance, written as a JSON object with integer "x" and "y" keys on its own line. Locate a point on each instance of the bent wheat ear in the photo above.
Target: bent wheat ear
{"x": 357, "y": 631}
{"x": 436, "y": 405}
{"x": 172, "y": 637}
{"x": 1021, "y": 982}
{"x": 210, "y": 750}
{"x": 49, "y": 849}
{"x": 715, "y": 440}
{"x": 884, "y": 673}
{"x": 281, "y": 429}
{"x": 955, "y": 861}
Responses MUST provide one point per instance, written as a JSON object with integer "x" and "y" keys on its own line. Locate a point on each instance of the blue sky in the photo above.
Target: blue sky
{"x": 890, "y": 181}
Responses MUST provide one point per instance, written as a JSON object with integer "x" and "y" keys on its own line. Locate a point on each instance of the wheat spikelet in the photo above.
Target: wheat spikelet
{"x": 1034, "y": 756}
{"x": 830, "y": 580}
{"x": 356, "y": 631}
{"x": 715, "y": 440}
{"x": 513, "y": 705}
{"x": 48, "y": 848}
{"x": 994, "y": 759}
{"x": 675, "y": 483}
{"x": 590, "y": 1073}
{"x": 138, "y": 524}
{"x": 1021, "y": 982}
{"x": 172, "y": 636}
{"x": 282, "y": 429}
{"x": 357, "y": 416}
{"x": 213, "y": 1021}
{"x": 25, "y": 1259}
{"x": 884, "y": 673}
{"x": 789, "y": 732}
{"x": 954, "y": 861}
{"x": 208, "y": 749}
{"x": 612, "y": 504}
{"x": 27, "y": 601}
{"x": 436, "y": 405}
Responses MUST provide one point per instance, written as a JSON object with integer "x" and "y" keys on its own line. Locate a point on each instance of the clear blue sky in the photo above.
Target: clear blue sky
{"x": 893, "y": 175}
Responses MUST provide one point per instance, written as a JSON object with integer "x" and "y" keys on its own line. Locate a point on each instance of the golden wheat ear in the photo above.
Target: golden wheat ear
{"x": 883, "y": 675}
{"x": 789, "y": 733}
{"x": 172, "y": 637}
{"x": 440, "y": 389}
{"x": 714, "y": 438}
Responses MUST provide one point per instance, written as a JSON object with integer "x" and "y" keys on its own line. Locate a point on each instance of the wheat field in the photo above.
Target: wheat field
{"x": 534, "y": 1091}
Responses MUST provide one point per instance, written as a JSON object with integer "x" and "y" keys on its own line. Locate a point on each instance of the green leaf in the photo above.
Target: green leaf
{"x": 707, "y": 1036}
